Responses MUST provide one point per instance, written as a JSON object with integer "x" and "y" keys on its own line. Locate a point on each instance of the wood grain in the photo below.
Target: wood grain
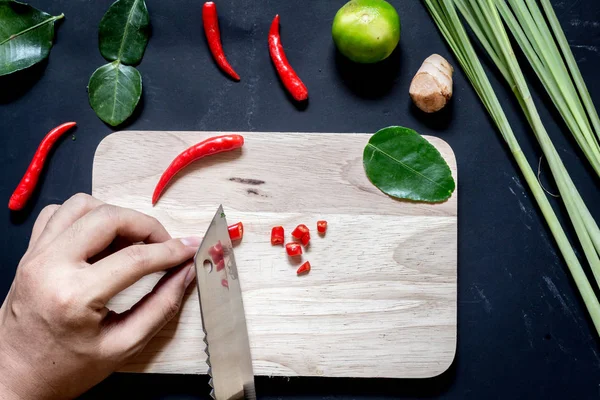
{"x": 380, "y": 300}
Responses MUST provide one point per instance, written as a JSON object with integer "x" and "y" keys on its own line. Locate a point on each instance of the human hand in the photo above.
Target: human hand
{"x": 57, "y": 338}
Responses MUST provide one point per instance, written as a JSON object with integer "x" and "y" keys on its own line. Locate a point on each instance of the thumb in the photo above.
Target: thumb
{"x": 129, "y": 332}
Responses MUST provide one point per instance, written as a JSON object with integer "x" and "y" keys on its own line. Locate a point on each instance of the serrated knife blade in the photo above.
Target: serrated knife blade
{"x": 223, "y": 317}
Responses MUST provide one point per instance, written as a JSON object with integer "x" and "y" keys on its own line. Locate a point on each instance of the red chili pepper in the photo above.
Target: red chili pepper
{"x": 305, "y": 239}
{"x": 288, "y": 76}
{"x": 277, "y": 235}
{"x": 225, "y": 283}
{"x": 29, "y": 181}
{"x": 213, "y": 36}
{"x": 321, "y": 226}
{"x": 236, "y": 231}
{"x": 304, "y": 269}
{"x": 216, "y": 252}
{"x": 221, "y": 265}
{"x": 300, "y": 231}
{"x": 293, "y": 249}
{"x": 214, "y": 145}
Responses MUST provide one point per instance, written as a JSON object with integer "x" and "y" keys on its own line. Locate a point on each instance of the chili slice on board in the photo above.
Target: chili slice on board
{"x": 300, "y": 231}
{"x": 277, "y": 235}
{"x": 288, "y": 76}
{"x": 293, "y": 249}
{"x": 210, "y": 21}
{"x": 321, "y": 226}
{"x": 214, "y": 145}
{"x": 30, "y": 179}
{"x": 305, "y": 239}
{"x": 304, "y": 269}
{"x": 236, "y": 231}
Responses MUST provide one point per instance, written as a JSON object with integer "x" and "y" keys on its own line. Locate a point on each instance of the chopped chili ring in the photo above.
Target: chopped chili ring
{"x": 277, "y": 235}
{"x": 321, "y": 226}
{"x": 305, "y": 239}
{"x": 304, "y": 269}
{"x": 236, "y": 231}
{"x": 300, "y": 231}
{"x": 216, "y": 252}
{"x": 293, "y": 249}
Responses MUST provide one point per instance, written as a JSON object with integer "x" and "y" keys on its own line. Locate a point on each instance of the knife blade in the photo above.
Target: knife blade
{"x": 223, "y": 317}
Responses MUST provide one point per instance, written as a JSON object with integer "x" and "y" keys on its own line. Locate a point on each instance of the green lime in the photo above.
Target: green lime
{"x": 366, "y": 31}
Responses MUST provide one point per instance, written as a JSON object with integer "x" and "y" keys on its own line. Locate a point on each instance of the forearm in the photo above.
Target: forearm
{"x": 8, "y": 385}
{"x": 18, "y": 381}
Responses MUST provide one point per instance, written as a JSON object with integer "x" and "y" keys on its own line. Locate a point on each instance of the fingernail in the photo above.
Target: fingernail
{"x": 190, "y": 275}
{"x": 191, "y": 241}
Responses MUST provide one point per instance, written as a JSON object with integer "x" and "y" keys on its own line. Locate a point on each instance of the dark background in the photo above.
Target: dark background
{"x": 523, "y": 331}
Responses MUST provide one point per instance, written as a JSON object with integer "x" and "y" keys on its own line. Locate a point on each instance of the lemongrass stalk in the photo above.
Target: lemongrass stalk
{"x": 585, "y": 226}
{"x": 531, "y": 32}
{"x": 572, "y": 64}
{"x": 447, "y": 20}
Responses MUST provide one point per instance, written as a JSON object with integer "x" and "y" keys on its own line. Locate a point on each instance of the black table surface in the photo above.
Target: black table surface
{"x": 523, "y": 331}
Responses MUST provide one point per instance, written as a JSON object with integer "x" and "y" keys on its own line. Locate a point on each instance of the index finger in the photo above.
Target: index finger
{"x": 96, "y": 230}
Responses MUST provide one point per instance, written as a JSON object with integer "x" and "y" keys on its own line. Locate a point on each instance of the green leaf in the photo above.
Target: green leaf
{"x": 114, "y": 91}
{"x": 402, "y": 164}
{"x": 26, "y": 36}
{"x": 124, "y": 31}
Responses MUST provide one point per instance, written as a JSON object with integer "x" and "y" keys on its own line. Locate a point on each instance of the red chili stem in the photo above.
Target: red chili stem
{"x": 288, "y": 76}
{"x": 304, "y": 268}
{"x": 236, "y": 231}
{"x": 31, "y": 177}
{"x": 213, "y": 36}
{"x": 200, "y": 150}
{"x": 277, "y": 235}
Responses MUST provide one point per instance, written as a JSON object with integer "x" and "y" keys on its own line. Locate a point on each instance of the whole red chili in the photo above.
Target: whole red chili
{"x": 293, "y": 249}
{"x": 300, "y": 231}
{"x": 29, "y": 181}
{"x": 288, "y": 76}
{"x": 277, "y": 235}
{"x": 321, "y": 226}
{"x": 214, "y": 145}
{"x": 304, "y": 269}
{"x": 236, "y": 231}
{"x": 213, "y": 36}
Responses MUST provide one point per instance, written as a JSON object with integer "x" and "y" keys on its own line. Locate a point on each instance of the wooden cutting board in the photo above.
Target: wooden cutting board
{"x": 381, "y": 298}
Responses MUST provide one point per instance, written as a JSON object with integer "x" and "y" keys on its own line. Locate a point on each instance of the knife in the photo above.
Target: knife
{"x": 223, "y": 318}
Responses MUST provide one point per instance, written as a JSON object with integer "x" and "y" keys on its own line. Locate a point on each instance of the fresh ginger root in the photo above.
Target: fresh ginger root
{"x": 431, "y": 88}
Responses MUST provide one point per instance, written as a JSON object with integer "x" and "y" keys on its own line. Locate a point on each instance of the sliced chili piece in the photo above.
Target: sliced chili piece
{"x": 293, "y": 249}
{"x": 304, "y": 269}
{"x": 300, "y": 231}
{"x": 29, "y": 181}
{"x": 214, "y": 145}
{"x": 216, "y": 252}
{"x": 321, "y": 226}
{"x": 236, "y": 231}
{"x": 305, "y": 239}
{"x": 288, "y": 76}
{"x": 221, "y": 265}
{"x": 213, "y": 36}
{"x": 225, "y": 283}
{"x": 277, "y": 235}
